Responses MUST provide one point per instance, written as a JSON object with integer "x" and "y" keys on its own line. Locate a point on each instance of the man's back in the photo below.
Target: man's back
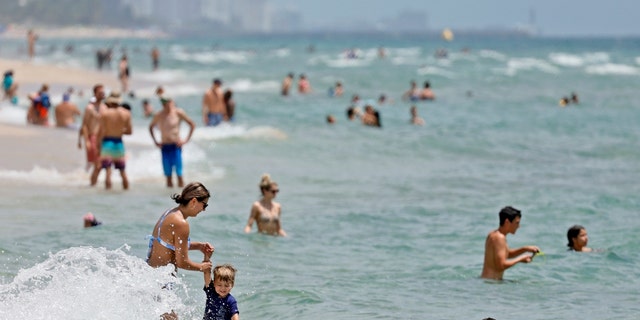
{"x": 495, "y": 241}
{"x": 65, "y": 114}
{"x": 115, "y": 122}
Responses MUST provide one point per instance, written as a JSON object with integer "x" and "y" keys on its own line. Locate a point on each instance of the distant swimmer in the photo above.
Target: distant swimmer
{"x": 32, "y": 37}
{"x": 214, "y": 110}
{"x": 155, "y": 58}
{"x": 574, "y": 98}
{"x": 331, "y": 119}
{"x": 371, "y": 117}
{"x": 498, "y": 257}
{"x": 90, "y": 220}
{"x": 230, "y": 104}
{"x": 337, "y": 90}
{"x": 426, "y": 93}
{"x": 413, "y": 94}
{"x": 124, "y": 74}
{"x": 415, "y": 118}
{"x": 304, "y": 86}
{"x": 578, "y": 239}
{"x": 286, "y": 84}
{"x": 563, "y": 102}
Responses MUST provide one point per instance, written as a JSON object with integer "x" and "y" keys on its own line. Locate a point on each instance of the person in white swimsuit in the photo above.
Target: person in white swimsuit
{"x": 266, "y": 212}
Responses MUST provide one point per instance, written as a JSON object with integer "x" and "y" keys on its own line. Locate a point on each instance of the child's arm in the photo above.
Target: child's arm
{"x": 207, "y": 272}
{"x": 207, "y": 277}
{"x": 235, "y": 317}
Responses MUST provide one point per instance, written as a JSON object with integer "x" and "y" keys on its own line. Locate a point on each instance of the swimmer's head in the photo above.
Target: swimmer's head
{"x": 66, "y": 97}
{"x": 509, "y": 213}
{"x": 217, "y": 81}
{"x": 90, "y": 220}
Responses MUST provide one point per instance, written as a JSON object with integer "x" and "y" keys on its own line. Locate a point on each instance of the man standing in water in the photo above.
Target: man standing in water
{"x": 498, "y": 257}
{"x": 213, "y": 109}
{"x": 89, "y": 130}
{"x": 168, "y": 122}
{"x": 114, "y": 123}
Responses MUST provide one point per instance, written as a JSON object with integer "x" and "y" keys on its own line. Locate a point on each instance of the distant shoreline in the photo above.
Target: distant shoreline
{"x": 81, "y": 32}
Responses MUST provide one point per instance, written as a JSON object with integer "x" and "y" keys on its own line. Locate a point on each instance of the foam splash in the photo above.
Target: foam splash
{"x": 612, "y": 69}
{"x": 92, "y": 283}
{"x": 514, "y": 65}
{"x": 575, "y": 60}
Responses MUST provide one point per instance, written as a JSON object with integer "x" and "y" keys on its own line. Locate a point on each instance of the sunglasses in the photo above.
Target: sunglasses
{"x": 275, "y": 191}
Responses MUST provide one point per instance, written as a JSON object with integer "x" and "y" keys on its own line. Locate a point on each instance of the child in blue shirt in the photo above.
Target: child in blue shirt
{"x": 221, "y": 305}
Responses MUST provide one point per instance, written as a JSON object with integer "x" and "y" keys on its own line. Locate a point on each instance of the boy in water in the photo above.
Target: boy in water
{"x": 220, "y": 303}
{"x": 498, "y": 257}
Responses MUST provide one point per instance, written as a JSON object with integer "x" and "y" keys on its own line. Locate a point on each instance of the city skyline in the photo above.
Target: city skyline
{"x": 547, "y": 17}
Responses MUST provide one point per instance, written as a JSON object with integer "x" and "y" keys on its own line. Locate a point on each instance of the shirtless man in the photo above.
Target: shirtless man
{"x": 66, "y": 113}
{"x": 498, "y": 257}
{"x": 426, "y": 93}
{"x": 89, "y": 130}
{"x": 155, "y": 58}
{"x": 32, "y": 37}
{"x": 114, "y": 123}
{"x": 286, "y": 84}
{"x": 213, "y": 109}
{"x": 168, "y": 122}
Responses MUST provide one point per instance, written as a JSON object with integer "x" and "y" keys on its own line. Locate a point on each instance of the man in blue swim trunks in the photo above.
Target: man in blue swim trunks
{"x": 214, "y": 110}
{"x": 168, "y": 122}
{"x": 114, "y": 123}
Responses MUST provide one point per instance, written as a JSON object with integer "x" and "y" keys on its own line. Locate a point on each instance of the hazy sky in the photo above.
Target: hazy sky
{"x": 552, "y": 17}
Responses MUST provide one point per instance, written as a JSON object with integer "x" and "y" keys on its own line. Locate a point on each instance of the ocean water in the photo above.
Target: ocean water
{"x": 383, "y": 223}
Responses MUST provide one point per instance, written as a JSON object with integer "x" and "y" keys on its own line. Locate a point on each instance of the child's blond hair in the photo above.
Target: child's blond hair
{"x": 225, "y": 273}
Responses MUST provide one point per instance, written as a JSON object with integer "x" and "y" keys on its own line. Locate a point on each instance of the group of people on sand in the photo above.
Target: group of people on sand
{"x": 107, "y": 119}
{"x": 170, "y": 243}
{"x": 498, "y": 257}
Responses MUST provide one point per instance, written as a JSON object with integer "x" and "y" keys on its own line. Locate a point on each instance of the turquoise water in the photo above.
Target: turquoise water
{"x": 382, "y": 223}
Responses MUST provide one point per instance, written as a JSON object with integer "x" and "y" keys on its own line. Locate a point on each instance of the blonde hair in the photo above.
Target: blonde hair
{"x": 266, "y": 183}
{"x": 225, "y": 273}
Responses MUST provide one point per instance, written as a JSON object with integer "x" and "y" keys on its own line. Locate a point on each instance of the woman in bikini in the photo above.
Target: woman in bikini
{"x": 266, "y": 212}
{"x": 170, "y": 242}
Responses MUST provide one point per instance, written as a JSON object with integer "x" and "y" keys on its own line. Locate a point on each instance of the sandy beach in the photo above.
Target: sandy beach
{"x": 26, "y": 146}
{"x": 31, "y": 75}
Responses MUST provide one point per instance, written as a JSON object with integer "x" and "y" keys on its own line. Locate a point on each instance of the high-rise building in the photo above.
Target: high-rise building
{"x": 252, "y": 15}
{"x": 217, "y": 10}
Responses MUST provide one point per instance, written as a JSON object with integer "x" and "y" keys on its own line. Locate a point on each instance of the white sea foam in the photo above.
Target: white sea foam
{"x": 431, "y": 70}
{"x": 575, "y": 60}
{"x": 612, "y": 69}
{"x": 92, "y": 283}
{"x": 248, "y": 85}
{"x": 12, "y": 114}
{"x": 490, "y": 54}
{"x": 515, "y": 65}
{"x": 214, "y": 57}
{"x": 342, "y": 62}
